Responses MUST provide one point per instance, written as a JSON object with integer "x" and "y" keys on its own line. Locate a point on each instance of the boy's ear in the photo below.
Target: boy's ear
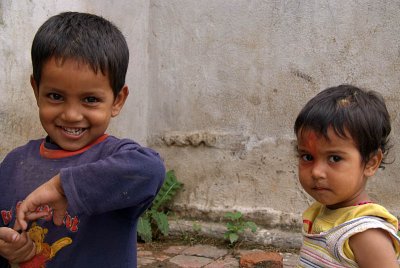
{"x": 119, "y": 101}
{"x": 35, "y": 88}
{"x": 373, "y": 164}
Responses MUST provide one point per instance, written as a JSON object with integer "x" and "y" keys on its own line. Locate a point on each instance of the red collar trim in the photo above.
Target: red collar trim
{"x": 364, "y": 203}
{"x": 57, "y": 154}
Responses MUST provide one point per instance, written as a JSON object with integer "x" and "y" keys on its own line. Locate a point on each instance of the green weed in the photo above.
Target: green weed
{"x": 154, "y": 220}
{"x": 236, "y": 225}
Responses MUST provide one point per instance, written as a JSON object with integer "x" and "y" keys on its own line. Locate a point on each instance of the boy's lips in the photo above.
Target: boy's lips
{"x": 73, "y": 130}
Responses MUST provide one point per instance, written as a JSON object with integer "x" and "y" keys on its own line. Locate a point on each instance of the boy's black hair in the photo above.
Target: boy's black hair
{"x": 84, "y": 37}
{"x": 348, "y": 108}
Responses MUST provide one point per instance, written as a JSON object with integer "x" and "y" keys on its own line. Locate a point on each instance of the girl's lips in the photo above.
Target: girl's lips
{"x": 320, "y": 188}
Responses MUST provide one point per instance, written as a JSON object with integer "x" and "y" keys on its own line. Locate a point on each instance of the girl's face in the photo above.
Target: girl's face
{"x": 331, "y": 170}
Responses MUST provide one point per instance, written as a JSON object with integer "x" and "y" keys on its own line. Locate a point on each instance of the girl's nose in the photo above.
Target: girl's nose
{"x": 318, "y": 170}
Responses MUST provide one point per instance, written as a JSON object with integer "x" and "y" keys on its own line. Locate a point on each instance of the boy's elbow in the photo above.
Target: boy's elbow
{"x": 159, "y": 172}
{"x": 156, "y": 167}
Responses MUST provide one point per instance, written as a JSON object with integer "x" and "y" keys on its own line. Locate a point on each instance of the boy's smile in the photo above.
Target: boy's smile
{"x": 331, "y": 170}
{"x": 75, "y": 104}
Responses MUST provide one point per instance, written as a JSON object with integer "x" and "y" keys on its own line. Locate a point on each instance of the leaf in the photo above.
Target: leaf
{"x": 231, "y": 226}
{"x": 167, "y": 191}
{"x": 233, "y": 215}
{"x": 233, "y": 237}
{"x": 144, "y": 229}
{"x": 161, "y": 220}
{"x": 226, "y": 235}
{"x": 252, "y": 226}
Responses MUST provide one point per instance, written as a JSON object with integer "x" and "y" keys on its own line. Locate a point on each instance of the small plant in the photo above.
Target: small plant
{"x": 237, "y": 225}
{"x": 196, "y": 227}
{"x": 154, "y": 217}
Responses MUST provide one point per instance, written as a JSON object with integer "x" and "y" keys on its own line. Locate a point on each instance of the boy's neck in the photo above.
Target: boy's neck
{"x": 58, "y": 152}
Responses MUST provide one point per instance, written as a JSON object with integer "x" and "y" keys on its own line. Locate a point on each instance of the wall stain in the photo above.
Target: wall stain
{"x": 220, "y": 140}
{"x": 302, "y": 75}
{"x": 1, "y": 13}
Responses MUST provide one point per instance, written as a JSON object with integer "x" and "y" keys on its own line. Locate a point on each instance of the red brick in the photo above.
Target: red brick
{"x": 261, "y": 259}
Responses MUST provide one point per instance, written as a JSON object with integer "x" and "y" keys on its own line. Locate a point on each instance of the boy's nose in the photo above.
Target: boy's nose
{"x": 71, "y": 113}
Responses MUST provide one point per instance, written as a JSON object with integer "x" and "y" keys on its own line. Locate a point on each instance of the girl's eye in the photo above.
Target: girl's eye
{"x": 334, "y": 158}
{"x": 90, "y": 99}
{"x": 306, "y": 157}
{"x": 55, "y": 96}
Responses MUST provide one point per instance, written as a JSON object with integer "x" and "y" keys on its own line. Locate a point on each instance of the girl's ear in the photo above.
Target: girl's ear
{"x": 119, "y": 101}
{"x": 35, "y": 88}
{"x": 373, "y": 164}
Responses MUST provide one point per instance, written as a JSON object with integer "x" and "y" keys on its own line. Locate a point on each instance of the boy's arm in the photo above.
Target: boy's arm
{"x": 49, "y": 193}
{"x": 129, "y": 177}
{"x": 373, "y": 248}
{"x": 15, "y": 247}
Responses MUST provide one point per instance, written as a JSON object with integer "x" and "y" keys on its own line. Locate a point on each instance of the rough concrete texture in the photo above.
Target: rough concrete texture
{"x": 216, "y": 86}
{"x": 234, "y": 74}
{"x": 275, "y": 237}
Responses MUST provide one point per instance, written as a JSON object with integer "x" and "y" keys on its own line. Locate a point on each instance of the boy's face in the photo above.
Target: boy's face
{"x": 331, "y": 170}
{"x": 75, "y": 104}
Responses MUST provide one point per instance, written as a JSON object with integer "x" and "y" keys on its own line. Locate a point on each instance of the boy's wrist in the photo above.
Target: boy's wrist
{"x": 56, "y": 183}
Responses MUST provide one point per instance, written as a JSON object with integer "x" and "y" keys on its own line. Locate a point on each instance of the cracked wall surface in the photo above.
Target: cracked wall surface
{"x": 215, "y": 87}
{"x": 231, "y": 77}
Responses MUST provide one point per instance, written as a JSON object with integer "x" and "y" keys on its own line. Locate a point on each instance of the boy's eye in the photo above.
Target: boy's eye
{"x": 55, "y": 96}
{"x": 334, "y": 158}
{"x": 90, "y": 99}
{"x": 306, "y": 157}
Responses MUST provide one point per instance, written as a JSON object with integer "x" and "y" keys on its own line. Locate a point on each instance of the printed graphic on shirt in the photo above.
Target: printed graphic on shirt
{"x": 44, "y": 251}
{"x": 70, "y": 222}
{"x": 6, "y": 217}
{"x": 37, "y": 233}
{"x": 307, "y": 226}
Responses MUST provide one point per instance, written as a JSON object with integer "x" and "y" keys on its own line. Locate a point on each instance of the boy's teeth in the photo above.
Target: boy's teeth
{"x": 73, "y": 131}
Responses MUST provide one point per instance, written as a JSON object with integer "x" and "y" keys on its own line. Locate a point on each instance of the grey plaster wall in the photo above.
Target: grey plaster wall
{"x": 216, "y": 85}
{"x": 232, "y": 76}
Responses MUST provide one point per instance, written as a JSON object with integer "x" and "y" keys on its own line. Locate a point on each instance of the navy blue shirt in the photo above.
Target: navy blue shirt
{"x": 108, "y": 185}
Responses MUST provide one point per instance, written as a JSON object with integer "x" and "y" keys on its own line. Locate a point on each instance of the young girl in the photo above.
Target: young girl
{"x": 342, "y": 136}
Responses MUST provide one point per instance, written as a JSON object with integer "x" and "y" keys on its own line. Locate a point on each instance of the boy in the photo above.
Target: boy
{"x": 342, "y": 136}
{"x": 77, "y": 194}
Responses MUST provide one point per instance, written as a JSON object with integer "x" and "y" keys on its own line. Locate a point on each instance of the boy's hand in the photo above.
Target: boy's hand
{"x": 16, "y": 247}
{"x": 49, "y": 193}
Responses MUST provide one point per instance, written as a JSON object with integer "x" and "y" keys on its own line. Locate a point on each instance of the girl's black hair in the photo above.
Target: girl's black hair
{"x": 85, "y": 37}
{"x": 363, "y": 114}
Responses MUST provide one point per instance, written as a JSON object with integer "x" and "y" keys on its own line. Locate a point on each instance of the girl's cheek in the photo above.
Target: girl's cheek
{"x": 305, "y": 164}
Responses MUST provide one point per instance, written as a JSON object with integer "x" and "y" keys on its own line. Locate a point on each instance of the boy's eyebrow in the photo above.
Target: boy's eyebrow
{"x": 300, "y": 149}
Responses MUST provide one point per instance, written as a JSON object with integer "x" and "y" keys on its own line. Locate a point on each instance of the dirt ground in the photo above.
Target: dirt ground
{"x": 162, "y": 243}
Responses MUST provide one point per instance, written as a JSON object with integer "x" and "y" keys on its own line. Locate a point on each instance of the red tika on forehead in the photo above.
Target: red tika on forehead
{"x": 311, "y": 141}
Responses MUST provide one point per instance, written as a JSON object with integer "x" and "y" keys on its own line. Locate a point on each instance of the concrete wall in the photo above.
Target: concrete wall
{"x": 231, "y": 77}
{"x": 216, "y": 85}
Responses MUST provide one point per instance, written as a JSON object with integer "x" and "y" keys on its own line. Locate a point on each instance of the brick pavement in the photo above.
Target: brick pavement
{"x": 208, "y": 256}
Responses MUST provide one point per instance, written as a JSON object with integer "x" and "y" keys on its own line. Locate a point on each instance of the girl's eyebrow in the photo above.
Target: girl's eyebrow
{"x": 337, "y": 152}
